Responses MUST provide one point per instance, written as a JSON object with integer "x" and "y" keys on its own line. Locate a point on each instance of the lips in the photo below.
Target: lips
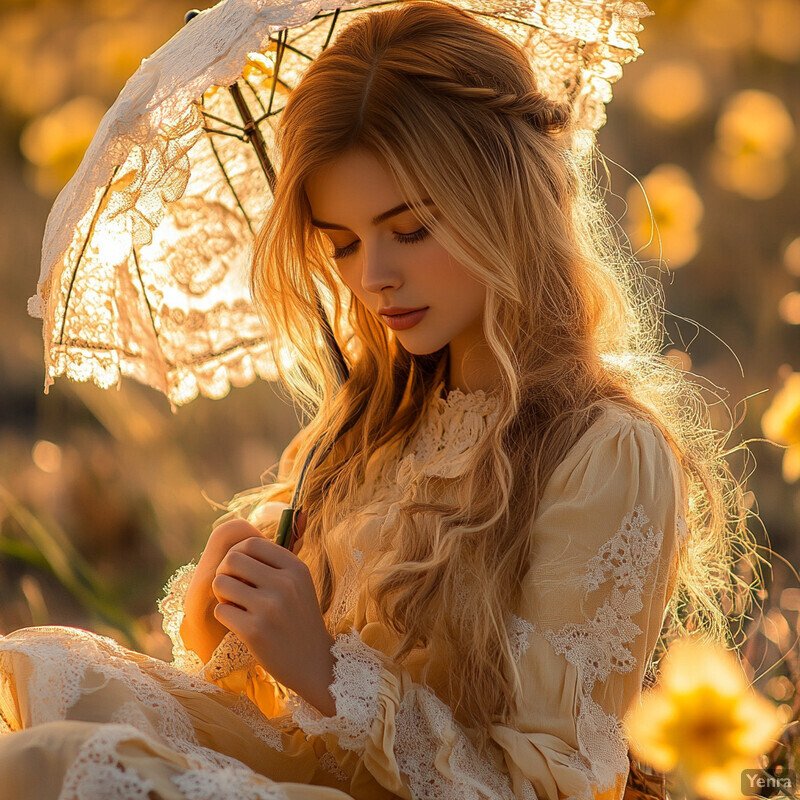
{"x": 400, "y": 322}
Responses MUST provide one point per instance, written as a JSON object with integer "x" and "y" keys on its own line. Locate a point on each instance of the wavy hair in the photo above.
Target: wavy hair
{"x": 451, "y": 107}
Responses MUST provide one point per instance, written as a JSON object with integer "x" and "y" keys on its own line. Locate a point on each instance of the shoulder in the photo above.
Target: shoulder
{"x": 621, "y": 478}
{"x": 620, "y": 453}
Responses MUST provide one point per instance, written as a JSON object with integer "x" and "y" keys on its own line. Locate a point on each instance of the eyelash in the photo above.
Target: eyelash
{"x": 404, "y": 238}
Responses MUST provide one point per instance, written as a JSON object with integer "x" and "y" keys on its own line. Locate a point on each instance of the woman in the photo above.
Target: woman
{"x": 516, "y": 497}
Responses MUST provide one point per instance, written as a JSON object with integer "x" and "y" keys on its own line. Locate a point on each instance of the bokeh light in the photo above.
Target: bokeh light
{"x": 56, "y": 142}
{"x": 754, "y": 134}
{"x": 778, "y": 28}
{"x": 676, "y": 213}
{"x": 673, "y": 93}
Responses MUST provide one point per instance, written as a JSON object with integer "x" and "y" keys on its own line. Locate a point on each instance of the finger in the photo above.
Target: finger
{"x": 268, "y": 552}
{"x": 228, "y": 589}
{"x": 245, "y": 568}
{"x": 230, "y": 616}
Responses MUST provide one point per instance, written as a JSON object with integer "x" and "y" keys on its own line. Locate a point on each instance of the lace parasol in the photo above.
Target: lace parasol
{"x": 146, "y": 250}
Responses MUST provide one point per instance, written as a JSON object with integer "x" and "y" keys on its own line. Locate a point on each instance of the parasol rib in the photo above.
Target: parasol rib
{"x": 95, "y": 217}
{"x": 149, "y": 306}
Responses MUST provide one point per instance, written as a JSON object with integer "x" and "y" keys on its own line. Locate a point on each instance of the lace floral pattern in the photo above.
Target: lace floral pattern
{"x": 61, "y": 658}
{"x": 231, "y": 654}
{"x": 357, "y": 671}
{"x": 148, "y": 208}
{"x": 423, "y": 724}
{"x": 96, "y": 773}
{"x": 597, "y": 647}
{"x": 445, "y": 441}
{"x": 172, "y": 609}
{"x": 518, "y": 630}
{"x": 346, "y": 592}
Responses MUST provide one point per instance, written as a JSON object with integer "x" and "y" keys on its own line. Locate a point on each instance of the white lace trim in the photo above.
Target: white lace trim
{"x": 423, "y": 725}
{"x": 518, "y": 630}
{"x": 239, "y": 782}
{"x": 96, "y": 773}
{"x": 357, "y": 672}
{"x": 445, "y": 442}
{"x": 682, "y": 528}
{"x": 597, "y": 646}
{"x": 60, "y": 659}
{"x": 328, "y": 762}
{"x": 172, "y": 609}
{"x": 230, "y": 654}
{"x": 347, "y": 589}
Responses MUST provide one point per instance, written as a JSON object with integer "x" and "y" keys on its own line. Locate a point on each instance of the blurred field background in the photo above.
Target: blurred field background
{"x": 104, "y": 493}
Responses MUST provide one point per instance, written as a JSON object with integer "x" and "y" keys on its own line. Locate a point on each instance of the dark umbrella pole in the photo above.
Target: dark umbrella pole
{"x": 293, "y": 520}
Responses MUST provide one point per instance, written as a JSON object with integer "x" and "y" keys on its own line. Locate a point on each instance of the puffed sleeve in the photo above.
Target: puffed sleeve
{"x": 606, "y": 536}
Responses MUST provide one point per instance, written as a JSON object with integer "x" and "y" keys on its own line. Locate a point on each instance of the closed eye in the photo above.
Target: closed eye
{"x": 404, "y": 238}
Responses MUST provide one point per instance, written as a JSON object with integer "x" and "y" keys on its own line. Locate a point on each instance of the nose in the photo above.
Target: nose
{"x": 379, "y": 271}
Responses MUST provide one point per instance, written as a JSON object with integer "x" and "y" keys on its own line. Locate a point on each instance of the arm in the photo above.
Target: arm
{"x": 607, "y": 529}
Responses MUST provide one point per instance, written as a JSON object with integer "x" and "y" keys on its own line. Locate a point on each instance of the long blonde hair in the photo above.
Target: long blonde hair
{"x": 451, "y": 107}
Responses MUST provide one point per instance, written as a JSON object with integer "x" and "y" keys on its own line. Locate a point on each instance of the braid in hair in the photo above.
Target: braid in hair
{"x": 544, "y": 114}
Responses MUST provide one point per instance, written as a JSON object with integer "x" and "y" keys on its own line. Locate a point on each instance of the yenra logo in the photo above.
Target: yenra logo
{"x": 759, "y": 782}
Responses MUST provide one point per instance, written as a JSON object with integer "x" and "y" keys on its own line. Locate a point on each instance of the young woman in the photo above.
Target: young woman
{"x": 516, "y": 502}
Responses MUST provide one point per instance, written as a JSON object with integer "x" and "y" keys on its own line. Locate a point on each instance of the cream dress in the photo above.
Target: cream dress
{"x": 84, "y": 718}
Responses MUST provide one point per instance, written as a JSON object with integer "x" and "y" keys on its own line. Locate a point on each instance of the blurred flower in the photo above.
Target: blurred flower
{"x": 35, "y": 77}
{"x": 789, "y": 308}
{"x": 781, "y": 423}
{"x": 56, "y": 142}
{"x": 703, "y": 723}
{"x": 791, "y": 257}
{"x": 673, "y": 93}
{"x": 721, "y": 24}
{"x": 677, "y": 210}
{"x": 107, "y": 53}
{"x": 754, "y": 134}
{"x": 778, "y": 28}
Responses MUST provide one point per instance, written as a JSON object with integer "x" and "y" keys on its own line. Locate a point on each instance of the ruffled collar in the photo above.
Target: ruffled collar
{"x": 454, "y": 422}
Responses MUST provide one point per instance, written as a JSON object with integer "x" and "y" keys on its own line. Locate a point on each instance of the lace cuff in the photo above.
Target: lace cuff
{"x": 172, "y": 609}
{"x": 357, "y": 671}
{"x": 231, "y": 654}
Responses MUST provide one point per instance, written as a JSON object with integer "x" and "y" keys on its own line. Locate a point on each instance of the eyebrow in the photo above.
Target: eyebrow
{"x": 392, "y": 212}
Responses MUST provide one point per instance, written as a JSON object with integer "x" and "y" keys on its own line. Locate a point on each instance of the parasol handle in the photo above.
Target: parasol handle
{"x": 292, "y": 522}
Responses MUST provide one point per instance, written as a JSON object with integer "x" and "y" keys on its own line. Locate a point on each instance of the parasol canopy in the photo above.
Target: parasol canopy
{"x": 146, "y": 251}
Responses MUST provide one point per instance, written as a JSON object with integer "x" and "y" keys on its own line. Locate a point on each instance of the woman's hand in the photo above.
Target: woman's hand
{"x": 200, "y": 630}
{"x": 267, "y": 597}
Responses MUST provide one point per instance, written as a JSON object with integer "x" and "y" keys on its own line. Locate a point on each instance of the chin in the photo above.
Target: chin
{"x": 420, "y": 348}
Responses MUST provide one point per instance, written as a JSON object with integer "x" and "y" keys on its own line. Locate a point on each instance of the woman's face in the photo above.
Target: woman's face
{"x": 392, "y": 260}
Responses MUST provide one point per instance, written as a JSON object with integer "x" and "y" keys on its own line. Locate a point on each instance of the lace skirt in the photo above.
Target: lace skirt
{"x": 83, "y": 718}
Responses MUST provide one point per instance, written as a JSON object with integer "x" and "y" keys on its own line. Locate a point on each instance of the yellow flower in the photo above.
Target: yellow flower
{"x": 56, "y": 142}
{"x": 754, "y": 133}
{"x": 781, "y": 422}
{"x": 673, "y": 93}
{"x": 677, "y": 210}
{"x": 702, "y": 723}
